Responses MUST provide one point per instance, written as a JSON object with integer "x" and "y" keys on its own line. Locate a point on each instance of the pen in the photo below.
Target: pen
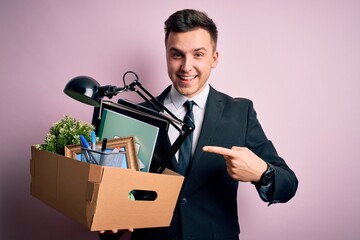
{"x": 93, "y": 140}
{"x": 85, "y": 144}
{"x": 84, "y": 141}
{"x": 103, "y": 146}
{"x": 88, "y": 155}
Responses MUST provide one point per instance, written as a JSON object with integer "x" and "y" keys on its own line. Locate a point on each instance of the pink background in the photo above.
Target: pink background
{"x": 299, "y": 61}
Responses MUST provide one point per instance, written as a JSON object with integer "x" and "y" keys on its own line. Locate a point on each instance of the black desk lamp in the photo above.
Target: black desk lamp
{"x": 87, "y": 90}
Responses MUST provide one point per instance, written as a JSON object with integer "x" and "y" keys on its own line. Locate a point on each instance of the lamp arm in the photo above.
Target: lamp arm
{"x": 175, "y": 122}
{"x": 154, "y": 102}
{"x": 172, "y": 151}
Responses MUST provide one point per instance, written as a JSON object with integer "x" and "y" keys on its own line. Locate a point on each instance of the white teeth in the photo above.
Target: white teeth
{"x": 187, "y": 77}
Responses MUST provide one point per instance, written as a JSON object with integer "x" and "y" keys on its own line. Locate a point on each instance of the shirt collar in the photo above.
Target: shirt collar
{"x": 200, "y": 99}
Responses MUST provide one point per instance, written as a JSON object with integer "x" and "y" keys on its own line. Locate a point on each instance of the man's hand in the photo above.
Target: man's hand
{"x": 117, "y": 230}
{"x": 242, "y": 164}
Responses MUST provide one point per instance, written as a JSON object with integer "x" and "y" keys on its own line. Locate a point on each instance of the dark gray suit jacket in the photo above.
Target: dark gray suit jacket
{"x": 207, "y": 205}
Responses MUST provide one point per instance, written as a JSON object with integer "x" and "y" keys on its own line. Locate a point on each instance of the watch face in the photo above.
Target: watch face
{"x": 268, "y": 176}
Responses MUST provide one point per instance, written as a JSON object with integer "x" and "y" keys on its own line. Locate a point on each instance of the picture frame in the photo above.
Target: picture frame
{"x": 128, "y": 143}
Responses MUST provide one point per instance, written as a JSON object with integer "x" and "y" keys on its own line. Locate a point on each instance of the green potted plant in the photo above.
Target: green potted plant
{"x": 65, "y": 132}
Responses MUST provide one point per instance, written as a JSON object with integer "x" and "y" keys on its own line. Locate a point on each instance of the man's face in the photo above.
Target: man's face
{"x": 190, "y": 57}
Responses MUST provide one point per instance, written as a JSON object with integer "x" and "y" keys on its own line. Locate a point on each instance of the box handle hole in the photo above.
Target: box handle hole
{"x": 142, "y": 195}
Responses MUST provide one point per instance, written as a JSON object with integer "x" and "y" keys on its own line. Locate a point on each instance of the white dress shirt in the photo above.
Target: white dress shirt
{"x": 174, "y": 101}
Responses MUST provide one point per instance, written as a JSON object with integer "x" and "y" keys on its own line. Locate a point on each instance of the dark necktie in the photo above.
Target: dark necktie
{"x": 186, "y": 148}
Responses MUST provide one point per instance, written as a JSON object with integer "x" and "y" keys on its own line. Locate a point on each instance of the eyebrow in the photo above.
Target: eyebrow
{"x": 199, "y": 49}
{"x": 195, "y": 50}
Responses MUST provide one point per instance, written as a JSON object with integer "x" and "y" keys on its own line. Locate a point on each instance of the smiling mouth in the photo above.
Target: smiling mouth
{"x": 187, "y": 78}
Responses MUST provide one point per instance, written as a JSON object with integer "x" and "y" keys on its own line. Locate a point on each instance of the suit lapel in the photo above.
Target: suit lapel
{"x": 162, "y": 96}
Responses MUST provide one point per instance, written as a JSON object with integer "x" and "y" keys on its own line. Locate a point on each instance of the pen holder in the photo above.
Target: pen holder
{"x": 108, "y": 157}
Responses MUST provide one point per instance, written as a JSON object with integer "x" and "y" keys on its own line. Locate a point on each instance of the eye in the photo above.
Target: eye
{"x": 199, "y": 54}
{"x": 176, "y": 55}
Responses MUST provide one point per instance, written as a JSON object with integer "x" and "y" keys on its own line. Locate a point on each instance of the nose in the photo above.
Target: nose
{"x": 187, "y": 64}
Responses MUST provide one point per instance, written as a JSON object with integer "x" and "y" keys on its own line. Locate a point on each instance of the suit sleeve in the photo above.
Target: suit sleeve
{"x": 285, "y": 184}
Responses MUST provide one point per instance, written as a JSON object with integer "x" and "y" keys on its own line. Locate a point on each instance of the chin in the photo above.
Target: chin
{"x": 187, "y": 92}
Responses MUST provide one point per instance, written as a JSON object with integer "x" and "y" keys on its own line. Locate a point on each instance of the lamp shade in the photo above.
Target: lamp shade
{"x": 83, "y": 89}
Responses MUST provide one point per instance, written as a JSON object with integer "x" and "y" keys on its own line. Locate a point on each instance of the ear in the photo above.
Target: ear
{"x": 215, "y": 59}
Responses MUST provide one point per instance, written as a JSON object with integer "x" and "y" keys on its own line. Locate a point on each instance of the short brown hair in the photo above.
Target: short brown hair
{"x": 188, "y": 20}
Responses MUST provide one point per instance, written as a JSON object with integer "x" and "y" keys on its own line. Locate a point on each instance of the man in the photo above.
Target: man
{"x": 228, "y": 143}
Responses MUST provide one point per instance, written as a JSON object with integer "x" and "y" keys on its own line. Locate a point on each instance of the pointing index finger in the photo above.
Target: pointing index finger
{"x": 218, "y": 150}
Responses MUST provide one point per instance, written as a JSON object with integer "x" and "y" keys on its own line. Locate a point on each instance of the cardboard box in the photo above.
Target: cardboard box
{"x": 97, "y": 197}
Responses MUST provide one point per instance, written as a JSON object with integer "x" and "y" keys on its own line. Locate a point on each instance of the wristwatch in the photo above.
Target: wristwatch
{"x": 268, "y": 176}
